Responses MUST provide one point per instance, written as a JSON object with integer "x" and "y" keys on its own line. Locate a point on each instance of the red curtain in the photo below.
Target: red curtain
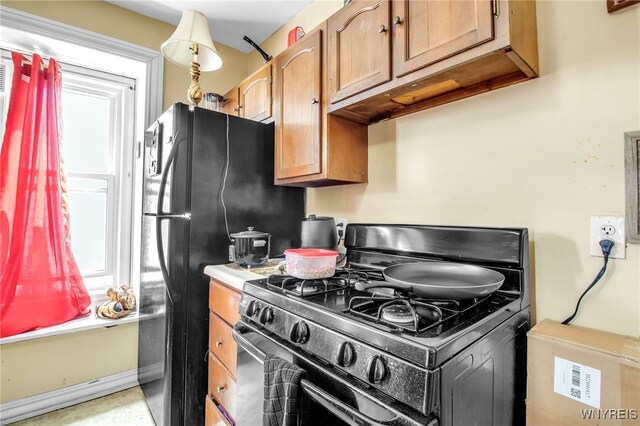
{"x": 41, "y": 284}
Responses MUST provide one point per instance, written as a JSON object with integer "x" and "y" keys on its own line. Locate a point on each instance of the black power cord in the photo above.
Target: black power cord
{"x": 607, "y": 246}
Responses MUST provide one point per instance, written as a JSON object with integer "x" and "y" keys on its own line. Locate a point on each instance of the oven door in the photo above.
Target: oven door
{"x": 347, "y": 403}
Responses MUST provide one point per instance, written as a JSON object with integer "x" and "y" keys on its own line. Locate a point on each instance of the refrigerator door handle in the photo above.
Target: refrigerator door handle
{"x": 185, "y": 216}
{"x": 173, "y": 295}
{"x": 160, "y": 215}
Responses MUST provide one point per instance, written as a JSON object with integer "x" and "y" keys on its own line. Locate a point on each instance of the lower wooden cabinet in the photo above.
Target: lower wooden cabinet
{"x": 221, "y": 342}
{"x": 224, "y": 305}
{"x": 222, "y": 387}
{"x": 213, "y": 416}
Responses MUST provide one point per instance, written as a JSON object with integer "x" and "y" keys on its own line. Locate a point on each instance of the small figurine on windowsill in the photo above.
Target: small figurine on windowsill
{"x": 122, "y": 301}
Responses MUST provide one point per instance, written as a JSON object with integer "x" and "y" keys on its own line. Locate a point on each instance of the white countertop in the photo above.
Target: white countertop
{"x": 235, "y": 276}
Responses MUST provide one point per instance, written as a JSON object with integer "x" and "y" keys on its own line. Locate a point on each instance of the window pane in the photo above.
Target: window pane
{"x": 88, "y": 217}
{"x": 86, "y": 132}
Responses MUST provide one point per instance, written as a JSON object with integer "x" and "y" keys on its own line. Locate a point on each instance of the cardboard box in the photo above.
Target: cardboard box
{"x": 577, "y": 375}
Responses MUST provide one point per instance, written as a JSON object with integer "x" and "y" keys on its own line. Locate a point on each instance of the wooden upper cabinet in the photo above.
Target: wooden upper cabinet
{"x": 255, "y": 95}
{"x": 429, "y": 31}
{"x": 298, "y": 127}
{"x": 443, "y": 51}
{"x": 359, "y": 52}
{"x": 230, "y": 102}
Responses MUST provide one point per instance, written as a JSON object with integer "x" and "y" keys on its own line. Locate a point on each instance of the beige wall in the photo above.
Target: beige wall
{"x": 545, "y": 154}
{"x": 41, "y": 365}
{"x": 308, "y": 18}
{"x": 31, "y": 367}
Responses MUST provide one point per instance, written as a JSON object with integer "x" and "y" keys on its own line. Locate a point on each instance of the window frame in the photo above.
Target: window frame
{"x": 120, "y": 174}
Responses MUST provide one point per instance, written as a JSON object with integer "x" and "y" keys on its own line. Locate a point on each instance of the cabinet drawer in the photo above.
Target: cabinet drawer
{"x": 222, "y": 387}
{"x": 221, "y": 342}
{"x": 212, "y": 416}
{"x": 224, "y": 301}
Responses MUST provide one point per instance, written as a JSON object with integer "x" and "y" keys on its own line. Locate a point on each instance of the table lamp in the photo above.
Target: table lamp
{"x": 191, "y": 46}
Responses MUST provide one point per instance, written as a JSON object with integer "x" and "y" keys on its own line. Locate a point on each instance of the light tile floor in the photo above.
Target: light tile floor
{"x": 122, "y": 408}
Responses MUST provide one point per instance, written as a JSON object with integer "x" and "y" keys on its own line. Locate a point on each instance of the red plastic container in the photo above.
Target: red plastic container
{"x": 311, "y": 264}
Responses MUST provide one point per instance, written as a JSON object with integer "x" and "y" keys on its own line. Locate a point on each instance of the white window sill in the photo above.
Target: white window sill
{"x": 88, "y": 322}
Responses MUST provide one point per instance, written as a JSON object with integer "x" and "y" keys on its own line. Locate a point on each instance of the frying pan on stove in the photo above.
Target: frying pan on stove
{"x": 438, "y": 280}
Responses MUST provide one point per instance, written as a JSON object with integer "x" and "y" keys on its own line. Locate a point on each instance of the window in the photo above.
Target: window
{"x": 98, "y": 138}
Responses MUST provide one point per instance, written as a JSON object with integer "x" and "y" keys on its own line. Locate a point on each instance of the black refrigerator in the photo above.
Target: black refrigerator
{"x": 206, "y": 175}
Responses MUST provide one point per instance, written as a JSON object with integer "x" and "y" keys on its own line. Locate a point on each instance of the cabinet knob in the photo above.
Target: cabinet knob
{"x": 218, "y": 343}
{"x": 382, "y": 29}
{"x": 221, "y": 388}
{"x": 314, "y": 101}
{"x": 397, "y": 20}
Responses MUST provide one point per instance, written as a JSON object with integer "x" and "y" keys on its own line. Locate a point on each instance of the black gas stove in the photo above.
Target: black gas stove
{"x": 424, "y": 360}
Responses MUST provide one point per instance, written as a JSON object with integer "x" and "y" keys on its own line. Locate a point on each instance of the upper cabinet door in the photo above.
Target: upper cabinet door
{"x": 255, "y": 95}
{"x": 298, "y": 147}
{"x": 230, "y": 102}
{"x": 359, "y": 55}
{"x": 429, "y": 31}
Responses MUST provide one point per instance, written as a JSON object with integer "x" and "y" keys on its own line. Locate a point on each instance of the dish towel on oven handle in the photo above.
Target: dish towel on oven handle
{"x": 284, "y": 401}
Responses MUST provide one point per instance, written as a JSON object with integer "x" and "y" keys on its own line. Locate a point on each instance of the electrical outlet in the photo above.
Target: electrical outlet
{"x": 610, "y": 228}
{"x": 341, "y": 226}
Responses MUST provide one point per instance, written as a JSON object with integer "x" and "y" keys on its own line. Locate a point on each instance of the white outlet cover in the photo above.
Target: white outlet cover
{"x": 608, "y": 227}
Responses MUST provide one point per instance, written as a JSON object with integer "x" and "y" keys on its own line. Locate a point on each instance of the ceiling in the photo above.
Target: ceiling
{"x": 229, "y": 20}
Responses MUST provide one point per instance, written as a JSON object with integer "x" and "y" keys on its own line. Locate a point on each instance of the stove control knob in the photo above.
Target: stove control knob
{"x": 266, "y": 315}
{"x": 252, "y": 308}
{"x": 299, "y": 332}
{"x": 346, "y": 354}
{"x": 376, "y": 370}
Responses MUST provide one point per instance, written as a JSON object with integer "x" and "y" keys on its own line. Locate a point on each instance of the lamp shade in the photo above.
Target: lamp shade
{"x": 193, "y": 28}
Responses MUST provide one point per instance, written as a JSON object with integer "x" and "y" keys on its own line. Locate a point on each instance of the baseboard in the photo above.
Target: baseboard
{"x": 35, "y": 405}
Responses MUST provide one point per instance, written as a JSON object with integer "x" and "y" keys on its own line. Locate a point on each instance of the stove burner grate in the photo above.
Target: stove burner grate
{"x": 306, "y": 288}
{"x": 409, "y": 314}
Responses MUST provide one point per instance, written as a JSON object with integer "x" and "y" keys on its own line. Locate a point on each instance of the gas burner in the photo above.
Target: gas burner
{"x": 409, "y": 314}
{"x": 398, "y": 314}
{"x": 308, "y": 286}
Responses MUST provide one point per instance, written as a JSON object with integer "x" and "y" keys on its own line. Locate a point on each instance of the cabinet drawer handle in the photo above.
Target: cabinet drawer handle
{"x": 218, "y": 343}
{"x": 314, "y": 101}
{"x": 397, "y": 20}
{"x": 382, "y": 29}
{"x": 221, "y": 388}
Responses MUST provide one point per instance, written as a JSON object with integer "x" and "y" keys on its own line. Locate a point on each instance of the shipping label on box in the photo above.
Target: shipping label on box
{"x": 577, "y": 381}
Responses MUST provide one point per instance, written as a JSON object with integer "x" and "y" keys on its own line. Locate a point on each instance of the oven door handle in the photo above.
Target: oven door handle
{"x": 320, "y": 396}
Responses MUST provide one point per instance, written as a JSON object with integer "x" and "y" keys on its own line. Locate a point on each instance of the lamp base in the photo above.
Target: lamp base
{"x": 195, "y": 93}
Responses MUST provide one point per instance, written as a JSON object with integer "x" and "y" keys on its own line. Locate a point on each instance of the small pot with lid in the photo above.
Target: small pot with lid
{"x": 250, "y": 247}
